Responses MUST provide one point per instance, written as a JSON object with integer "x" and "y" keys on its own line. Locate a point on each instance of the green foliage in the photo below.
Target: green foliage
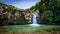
{"x": 48, "y": 15}
{"x": 17, "y": 13}
{"x": 38, "y": 6}
{"x": 12, "y": 7}
{"x": 50, "y": 8}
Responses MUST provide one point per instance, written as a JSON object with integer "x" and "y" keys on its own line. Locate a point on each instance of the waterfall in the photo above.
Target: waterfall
{"x": 34, "y": 19}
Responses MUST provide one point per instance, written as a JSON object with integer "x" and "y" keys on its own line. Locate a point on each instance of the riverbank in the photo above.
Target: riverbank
{"x": 29, "y": 32}
{"x": 29, "y": 29}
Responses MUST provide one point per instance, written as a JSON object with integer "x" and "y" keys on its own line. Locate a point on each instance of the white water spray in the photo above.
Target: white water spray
{"x": 34, "y": 19}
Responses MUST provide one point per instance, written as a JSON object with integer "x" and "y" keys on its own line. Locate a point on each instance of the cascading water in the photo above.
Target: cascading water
{"x": 34, "y": 19}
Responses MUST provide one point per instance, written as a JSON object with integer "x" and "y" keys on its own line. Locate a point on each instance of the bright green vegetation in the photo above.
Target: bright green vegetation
{"x": 50, "y": 9}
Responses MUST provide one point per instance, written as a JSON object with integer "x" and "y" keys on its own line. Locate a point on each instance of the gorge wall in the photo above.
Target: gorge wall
{"x": 10, "y": 15}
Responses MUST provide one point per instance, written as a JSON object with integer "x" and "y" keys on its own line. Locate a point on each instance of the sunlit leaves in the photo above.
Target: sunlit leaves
{"x": 16, "y": 14}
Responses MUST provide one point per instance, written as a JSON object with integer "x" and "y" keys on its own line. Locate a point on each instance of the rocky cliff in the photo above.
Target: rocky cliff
{"x": 12, "y": 15}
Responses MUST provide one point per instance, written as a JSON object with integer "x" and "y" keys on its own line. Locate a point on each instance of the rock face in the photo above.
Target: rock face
{"x": 10, "y": 15}
{"x": 22, "y": 18}
{"x": 40, "y": 18}
{"x": 28, "y": 17}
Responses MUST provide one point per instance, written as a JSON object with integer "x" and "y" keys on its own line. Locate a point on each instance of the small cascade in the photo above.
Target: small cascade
{"x": 34, "y": 19}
